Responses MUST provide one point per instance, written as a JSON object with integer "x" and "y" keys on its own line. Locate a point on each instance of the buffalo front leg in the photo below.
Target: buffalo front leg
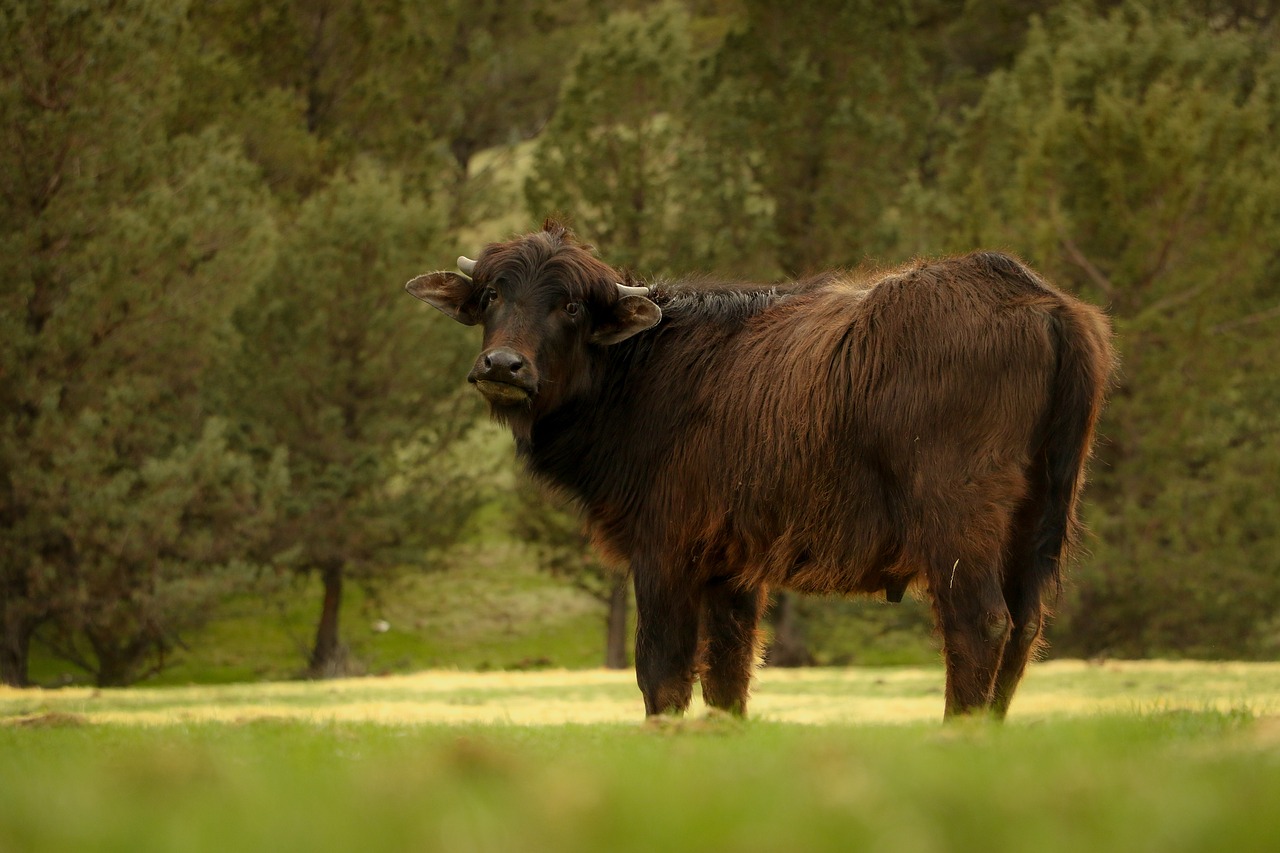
{"x": 728, "y": 644}
{"x": 666, "y": 642}
{"x": 975, "y": 625}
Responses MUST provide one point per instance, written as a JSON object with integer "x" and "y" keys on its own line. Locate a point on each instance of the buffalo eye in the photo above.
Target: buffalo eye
{"x": 573, "y": 308}
{"x": 486, "y": 297}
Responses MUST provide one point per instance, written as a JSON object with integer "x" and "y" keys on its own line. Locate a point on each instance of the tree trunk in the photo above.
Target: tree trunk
{"x": 615, "y": 650}
{"x": 788, "y": 647}
{"x": 15, "y": 644}
{"x": 114, "y": 670}
{"x": 326, "y": 657}
{"x": 120, "y": 659}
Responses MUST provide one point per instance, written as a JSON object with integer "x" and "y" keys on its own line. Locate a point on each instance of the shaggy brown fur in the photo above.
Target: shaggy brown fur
{"x": 928, "y": 428}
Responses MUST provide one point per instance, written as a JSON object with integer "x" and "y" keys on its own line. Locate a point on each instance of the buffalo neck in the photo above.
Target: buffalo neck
{"x": 606, "y": 444}
{"x": 599, "y": 445}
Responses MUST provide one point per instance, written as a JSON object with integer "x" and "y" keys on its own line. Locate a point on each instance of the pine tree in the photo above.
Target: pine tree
{"x": 125, "y": 249}
{"x": 831, "y": 101}
{"x": 628, "y": 156}
{"x": 315, "y": 84}
{"x": 360, "y": 388}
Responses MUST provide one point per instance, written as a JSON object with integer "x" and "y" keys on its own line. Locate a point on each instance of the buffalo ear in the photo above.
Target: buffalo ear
{"x": 448, "y": 292}
{"x": 631, "y": 315}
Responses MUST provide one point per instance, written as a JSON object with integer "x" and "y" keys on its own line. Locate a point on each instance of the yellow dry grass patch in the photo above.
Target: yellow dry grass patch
{"x": 556, "y": 697}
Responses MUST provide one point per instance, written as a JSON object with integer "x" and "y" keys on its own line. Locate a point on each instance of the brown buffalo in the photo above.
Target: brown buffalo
{"x": 927, "y": 427}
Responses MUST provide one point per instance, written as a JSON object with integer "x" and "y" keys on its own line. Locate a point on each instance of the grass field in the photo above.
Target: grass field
{"x": 493, "y": 611}
{"x": 1118, "y": 756}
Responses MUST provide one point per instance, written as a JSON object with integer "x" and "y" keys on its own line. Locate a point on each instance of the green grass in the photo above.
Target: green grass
{"x": 1172, "y": 781}
{"x": 493, "y": 610}
{"x": 1119, "y": 756}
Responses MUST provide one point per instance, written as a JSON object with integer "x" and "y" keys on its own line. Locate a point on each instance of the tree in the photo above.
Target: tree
{"x": 361, "y": 389}
{"x": 124, "y": 251}
{"x": 833, "y": 105}
{"x": 628, "y": 155}
{"x": 224, "y": 83}
{"x": 158, "y": 547}
{"x": 420, "y": 87}
{"x": 1129, "y": 156}
{"x": 471, "y": 75}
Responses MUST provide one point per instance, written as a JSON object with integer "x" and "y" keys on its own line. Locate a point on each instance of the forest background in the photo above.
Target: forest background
{"x": 217, "y": 400}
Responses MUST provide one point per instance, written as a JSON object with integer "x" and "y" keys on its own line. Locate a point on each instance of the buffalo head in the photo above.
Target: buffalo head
{"x": 544, "y": 302}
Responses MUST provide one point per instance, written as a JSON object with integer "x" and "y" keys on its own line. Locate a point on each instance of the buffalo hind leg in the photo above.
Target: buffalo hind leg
{"x": 728, "y": 644}
{"x": 975, "y": 625}
{"x": 666, "y": 642}
{"x": 1023, "y": 593}
{"x": 1028, "y": 614}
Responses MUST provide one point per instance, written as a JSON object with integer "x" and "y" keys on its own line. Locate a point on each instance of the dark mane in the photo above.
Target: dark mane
{"x": 722, "y": 303}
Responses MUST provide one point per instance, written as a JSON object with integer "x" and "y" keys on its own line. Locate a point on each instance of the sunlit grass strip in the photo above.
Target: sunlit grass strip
{"x": 558, "y": 697}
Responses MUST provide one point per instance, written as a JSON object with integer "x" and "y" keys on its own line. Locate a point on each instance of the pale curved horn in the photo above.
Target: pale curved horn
{"x": 467, "y": 265}
{"x": 624, "y": 290}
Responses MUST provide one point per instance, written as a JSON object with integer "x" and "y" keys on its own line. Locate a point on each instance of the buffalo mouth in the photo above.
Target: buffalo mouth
{"x": 502, "y": 393}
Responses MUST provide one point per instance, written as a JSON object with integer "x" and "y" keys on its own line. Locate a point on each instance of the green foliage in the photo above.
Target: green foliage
{"x": 361, "y": 389}
{"x": 158, "y": 548}
{"x": 867, "y": 632}
{"x": 500, "y": 69}
{"x": 626, "y": 158}
{"x": 831, "y": 125}
{"x": 220, "y": 90}
{"x": 125, "y": 251}
{"x": 423, "y": 88}
{"x": 1130, "y": 156}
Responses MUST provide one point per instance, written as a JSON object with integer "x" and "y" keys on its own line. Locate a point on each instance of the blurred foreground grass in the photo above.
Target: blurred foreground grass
{"x": 1169, "y": 781}
{"x": 1120, "y": 756}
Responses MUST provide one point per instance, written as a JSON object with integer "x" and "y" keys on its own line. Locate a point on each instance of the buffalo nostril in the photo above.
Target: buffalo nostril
{"x": 501, "y": 364}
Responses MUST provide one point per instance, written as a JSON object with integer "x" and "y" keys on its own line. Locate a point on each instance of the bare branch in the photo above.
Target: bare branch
{"x": 1078, "y": 258}
{"x": 1173, "y": 300}
{"x": 1259, "y": 317}
{"x": 1165, "y": 251}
